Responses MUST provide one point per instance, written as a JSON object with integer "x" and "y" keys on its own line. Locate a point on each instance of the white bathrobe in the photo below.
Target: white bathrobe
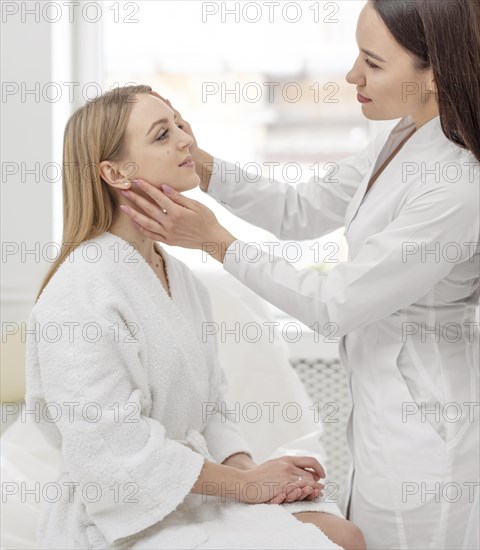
{"x": 405, "y": 307}
{"x": 123, "y": 382}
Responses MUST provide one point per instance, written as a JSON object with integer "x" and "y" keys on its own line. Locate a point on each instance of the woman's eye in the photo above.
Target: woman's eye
{"x": 370, "y": 64}
{"x": 162, "y": 136}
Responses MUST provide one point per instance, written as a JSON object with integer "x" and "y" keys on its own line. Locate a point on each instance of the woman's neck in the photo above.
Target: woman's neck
{"x": 123, "y": 228}
{"x": 426, "y": 116}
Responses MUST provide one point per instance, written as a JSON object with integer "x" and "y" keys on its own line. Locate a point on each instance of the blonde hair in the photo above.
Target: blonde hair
{"x": 94, "y": 133}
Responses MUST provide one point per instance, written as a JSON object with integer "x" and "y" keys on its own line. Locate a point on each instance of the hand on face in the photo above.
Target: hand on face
{"x": 173, "y": 219}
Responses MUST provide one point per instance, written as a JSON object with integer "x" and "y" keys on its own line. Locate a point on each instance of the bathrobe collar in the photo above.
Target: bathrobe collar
{"x": 177, "y": 304}
{"x": 169, "y": 268}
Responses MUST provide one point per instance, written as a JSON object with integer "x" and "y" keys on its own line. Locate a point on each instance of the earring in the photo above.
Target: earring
{"x": 126, "y": 183}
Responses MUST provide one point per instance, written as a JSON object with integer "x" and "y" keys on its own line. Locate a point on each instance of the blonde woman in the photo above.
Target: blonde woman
{"x": 134, "y": 392}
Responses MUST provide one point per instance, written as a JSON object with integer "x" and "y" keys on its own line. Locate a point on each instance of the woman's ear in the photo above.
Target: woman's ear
{"x": 431, "y": 84}
{"x": 112, "y": 176}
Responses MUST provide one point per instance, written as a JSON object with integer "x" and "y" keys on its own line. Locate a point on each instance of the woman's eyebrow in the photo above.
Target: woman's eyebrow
{"x": 161, "y": 121}
{"x": 374, "y": 55}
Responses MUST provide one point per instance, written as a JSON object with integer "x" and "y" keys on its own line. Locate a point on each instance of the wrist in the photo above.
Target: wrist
{"x": 242, "y": 461}
{"x": 238, "y": 479}
{"x": 203, "y": 167}
{"x": 221, "y": 240}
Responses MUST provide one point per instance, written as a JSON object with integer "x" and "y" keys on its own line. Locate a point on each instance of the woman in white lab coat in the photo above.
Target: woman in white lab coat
{"x": 405, "y": 302}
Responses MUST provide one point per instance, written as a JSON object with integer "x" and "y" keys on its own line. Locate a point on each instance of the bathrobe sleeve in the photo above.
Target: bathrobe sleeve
{"x": 87, "y": 374}
{"x": 308, "y": 210}
{"x": 392, "y": 269}
{"x": 221, "y": 434}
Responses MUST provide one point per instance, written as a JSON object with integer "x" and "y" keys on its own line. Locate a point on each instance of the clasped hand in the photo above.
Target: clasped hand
{"x": 284, "y": 479}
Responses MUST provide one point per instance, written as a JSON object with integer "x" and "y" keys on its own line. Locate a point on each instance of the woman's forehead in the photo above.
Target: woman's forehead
{"x": 372, "y": 34}
{"x": 145, "y": 111}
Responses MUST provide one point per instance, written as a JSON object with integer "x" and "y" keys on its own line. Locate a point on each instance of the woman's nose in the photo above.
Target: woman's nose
{"x": 355, "y": 76}
{"x": 185, "y": 140}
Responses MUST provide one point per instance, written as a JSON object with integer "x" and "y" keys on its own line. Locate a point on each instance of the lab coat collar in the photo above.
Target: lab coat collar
{"x": 430, "y": 131}
{"x": 428, "y": 135}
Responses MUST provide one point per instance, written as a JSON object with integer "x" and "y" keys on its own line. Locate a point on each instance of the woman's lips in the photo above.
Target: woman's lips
{"x": 363, "y": 99}
{"x": 189, "y": 164}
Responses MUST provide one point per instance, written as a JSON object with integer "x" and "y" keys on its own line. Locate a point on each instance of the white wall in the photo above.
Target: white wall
{"x": 26, "y": 139}
{"x": 37, "y": 53}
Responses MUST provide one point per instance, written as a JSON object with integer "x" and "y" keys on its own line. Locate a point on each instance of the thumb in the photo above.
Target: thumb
{"x": 177, "y": 197}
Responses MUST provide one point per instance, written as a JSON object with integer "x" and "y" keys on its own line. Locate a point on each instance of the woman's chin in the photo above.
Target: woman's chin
{"x": 374, "y": 114}
{"x": 189, "y": 182}
{"x": 186, "y": 184}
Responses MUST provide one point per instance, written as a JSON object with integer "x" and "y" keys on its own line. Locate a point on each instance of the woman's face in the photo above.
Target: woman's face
{"x": 394, "y": 87}
{"x": 157, "y": 147}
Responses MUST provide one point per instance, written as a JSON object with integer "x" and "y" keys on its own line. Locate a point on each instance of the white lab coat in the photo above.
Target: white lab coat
{"x": 405, "y": 305}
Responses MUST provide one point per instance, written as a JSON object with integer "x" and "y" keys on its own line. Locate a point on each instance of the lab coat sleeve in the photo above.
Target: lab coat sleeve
{"x": 392, "y": 269}
{"x": 221, "y": 433}
{"x": 107, "y": 441}
{"x": 308, "y": 210}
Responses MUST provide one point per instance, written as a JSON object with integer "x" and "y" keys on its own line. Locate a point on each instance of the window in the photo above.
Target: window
{"x": 260, "y": 86}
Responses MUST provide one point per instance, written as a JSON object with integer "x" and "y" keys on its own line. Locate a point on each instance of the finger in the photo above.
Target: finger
{"x": 278, "y": 499}
{"x": 167, "y": 101}
{"x": 306, "y": 492}
{"x": 293, "y": 495}
{"x": 312, "y": 473}
{"x": 158, "y": 196}
{"x": 168, "y": 197}
{"x": 156, "y": 94}
{"x": 314, "y": 494}
{"x": 304, "y": 474}
{"x": 152, "y": 209}
{"x": 180, "y": 199}
{"x": 152, "y": 226}
{"x": 309, "y": 462}
{"x": 150, "y": 234}
{"x": 306, "y": 481}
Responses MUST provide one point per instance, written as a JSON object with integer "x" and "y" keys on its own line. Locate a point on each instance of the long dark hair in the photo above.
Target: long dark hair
{"x": 444, "y": 35}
